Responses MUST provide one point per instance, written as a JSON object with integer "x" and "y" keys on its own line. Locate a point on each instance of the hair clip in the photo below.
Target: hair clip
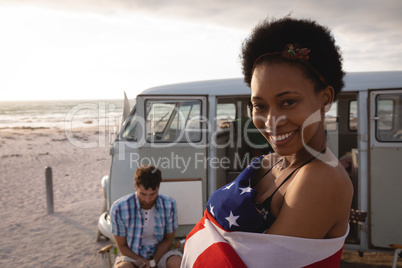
{"x": 292, "y": 53}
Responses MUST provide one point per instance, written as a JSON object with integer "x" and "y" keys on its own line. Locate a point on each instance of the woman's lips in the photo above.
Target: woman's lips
{"x": 283, "y": 138}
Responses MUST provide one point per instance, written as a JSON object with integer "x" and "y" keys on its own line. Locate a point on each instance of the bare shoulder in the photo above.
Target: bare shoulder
{"x": 325, "y": 182}
{"x": 317, "y": 203}
{"x": 325, "y": 177}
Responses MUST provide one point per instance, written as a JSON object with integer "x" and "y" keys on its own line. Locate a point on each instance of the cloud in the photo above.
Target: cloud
{"x": 360, "y": 18}
{"x": 242, "y": 13}
{"x": 367, "y": 30}
{"x": 82, "y": 46}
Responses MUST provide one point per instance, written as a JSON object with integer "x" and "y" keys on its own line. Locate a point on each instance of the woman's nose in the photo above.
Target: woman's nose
{"x": 274, "y": 121}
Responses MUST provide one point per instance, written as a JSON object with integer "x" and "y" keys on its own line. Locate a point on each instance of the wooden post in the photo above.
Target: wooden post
{"x": 49, "y": 190}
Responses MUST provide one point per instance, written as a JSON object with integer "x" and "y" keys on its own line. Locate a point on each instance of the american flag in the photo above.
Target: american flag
{"x": 234, "y": 204}
{"x": 227, "y": 237}
{"x": 209, "y": 245}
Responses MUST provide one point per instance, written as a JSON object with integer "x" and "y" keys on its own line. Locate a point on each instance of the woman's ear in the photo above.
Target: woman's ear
{"x": 328, "y": 98}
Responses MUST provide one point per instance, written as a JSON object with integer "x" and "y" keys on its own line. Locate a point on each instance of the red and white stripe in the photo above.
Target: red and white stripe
{"x": 208, "y": 245}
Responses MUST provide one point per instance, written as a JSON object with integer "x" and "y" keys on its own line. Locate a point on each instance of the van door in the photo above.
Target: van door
{"x": 385, "y": 167}
{"x": 342, "y": 138}
{"x": 237, "y": 141}
{"x": 176, "y": 142}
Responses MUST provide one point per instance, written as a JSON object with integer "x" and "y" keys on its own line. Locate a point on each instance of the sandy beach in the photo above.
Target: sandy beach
{"x": 30, "y": 237}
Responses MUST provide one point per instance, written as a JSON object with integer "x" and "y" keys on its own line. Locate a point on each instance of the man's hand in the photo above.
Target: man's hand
{"x": 147, "y": 265}
{"x": 121, "y": 243}
{"x": 164, "y": 246}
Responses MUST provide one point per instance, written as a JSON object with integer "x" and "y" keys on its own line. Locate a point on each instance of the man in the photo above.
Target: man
{"x": 143, "y": 224}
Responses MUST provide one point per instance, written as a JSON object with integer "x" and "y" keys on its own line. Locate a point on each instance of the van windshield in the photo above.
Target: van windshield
{"x": 131, "y": 130}
{"x": 173, "y": 121}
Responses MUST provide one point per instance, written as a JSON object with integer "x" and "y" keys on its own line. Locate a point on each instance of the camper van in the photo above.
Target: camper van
{"x": 201, "y": 137}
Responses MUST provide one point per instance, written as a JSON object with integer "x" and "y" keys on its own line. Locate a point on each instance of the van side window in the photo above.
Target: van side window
{"x": 225, "y": 113}
{"x": 353, "y": 115}
{"x": 173, "y": 121}
{"x": 331, "y": 118}
{"x": 388, "y": 117}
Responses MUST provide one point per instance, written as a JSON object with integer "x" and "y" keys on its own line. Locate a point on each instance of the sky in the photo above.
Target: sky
{"x": 99, "y": 49}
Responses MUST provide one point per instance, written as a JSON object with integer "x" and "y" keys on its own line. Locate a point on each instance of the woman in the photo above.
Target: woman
{"x": 294, "y": 70}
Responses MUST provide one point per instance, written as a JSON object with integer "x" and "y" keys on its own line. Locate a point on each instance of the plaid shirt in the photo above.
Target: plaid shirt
{"x": 127, "y": 221}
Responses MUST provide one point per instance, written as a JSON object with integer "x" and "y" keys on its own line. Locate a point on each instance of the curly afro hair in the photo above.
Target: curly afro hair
{"x": 148, "y": 177}
{"x": 271, "y": 36}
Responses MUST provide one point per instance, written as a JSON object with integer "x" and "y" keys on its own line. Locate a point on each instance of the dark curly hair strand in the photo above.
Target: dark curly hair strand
{"x": 271, "y": 36}
{"x": 148, "y": 177}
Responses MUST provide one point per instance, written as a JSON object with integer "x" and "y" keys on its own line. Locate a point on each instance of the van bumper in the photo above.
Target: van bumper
{"x": 105, "y": 225}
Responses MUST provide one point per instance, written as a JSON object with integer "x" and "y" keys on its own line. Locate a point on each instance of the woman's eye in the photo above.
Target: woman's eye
{"x": 257, "y": 107}
{"x": 287, "y": 103}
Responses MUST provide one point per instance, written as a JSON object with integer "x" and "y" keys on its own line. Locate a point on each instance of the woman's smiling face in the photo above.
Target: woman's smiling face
{"x": 283, "y": 98}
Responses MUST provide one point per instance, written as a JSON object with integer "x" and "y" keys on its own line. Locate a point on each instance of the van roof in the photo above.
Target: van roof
{"x": 354, "y": 81}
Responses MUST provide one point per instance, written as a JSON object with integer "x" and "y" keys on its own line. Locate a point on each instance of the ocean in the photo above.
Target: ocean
{"x": 61, "y": 113}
